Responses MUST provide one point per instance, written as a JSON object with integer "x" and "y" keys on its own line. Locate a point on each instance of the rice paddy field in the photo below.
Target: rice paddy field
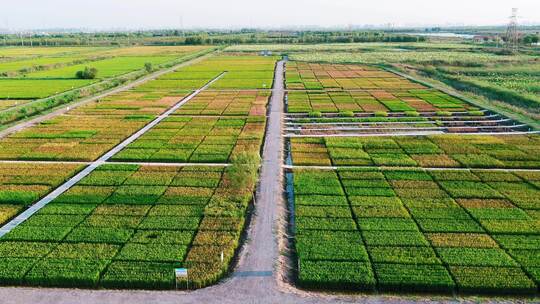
{"x": 383, "y": 197}
{"x": 391, "y": 185}
{"x": 44, "y": 78}
{"x": 414, "y": 230}
{"x": 22, "y": 184}
{"x": 506, "y": 81}
{"x": 129, "y": 223}
{"x": 124, "y": 226}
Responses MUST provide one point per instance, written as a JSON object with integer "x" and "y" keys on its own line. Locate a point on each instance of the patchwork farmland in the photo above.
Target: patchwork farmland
{"x": 395, "y": 186}
{"x": 175, "y": 196}
{"x": 38, "y": 80}
{"x": 387, "y": 185}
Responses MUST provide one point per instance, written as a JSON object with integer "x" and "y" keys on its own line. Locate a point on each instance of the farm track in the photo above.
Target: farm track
{"x": 65, "y": 108}
{"x": 100, "y": 161}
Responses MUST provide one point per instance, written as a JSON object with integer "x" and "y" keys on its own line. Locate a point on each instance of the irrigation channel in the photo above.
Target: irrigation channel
{"x": 260, "y": 275}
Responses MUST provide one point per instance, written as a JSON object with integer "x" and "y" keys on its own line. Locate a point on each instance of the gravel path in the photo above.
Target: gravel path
{"x": 19, "y": 126}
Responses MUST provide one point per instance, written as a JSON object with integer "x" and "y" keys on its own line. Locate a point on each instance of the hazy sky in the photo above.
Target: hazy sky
{"x": 135, "y": 14}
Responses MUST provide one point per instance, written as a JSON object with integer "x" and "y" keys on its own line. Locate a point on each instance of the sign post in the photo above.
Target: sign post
{"x": 181, "y": 274}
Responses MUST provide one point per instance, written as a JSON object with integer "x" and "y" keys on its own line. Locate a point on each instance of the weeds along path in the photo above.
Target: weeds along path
{"x": 65, "y": 108}
{"x": 93, "y": 165}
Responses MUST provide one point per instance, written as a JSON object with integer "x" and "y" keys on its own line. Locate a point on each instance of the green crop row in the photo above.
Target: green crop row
{"x": 414, "y": 230}
{"x": 490, "y": 151}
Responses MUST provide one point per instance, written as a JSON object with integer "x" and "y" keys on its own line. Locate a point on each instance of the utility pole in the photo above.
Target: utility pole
{"x": 512, "y": 36}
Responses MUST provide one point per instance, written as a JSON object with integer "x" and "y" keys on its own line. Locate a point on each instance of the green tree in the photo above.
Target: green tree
{"x": 148, "y": 67}
{"x": 87, "y": 73}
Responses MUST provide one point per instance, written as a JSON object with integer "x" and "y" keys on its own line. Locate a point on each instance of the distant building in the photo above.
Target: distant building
{"x": 485, "y": 38}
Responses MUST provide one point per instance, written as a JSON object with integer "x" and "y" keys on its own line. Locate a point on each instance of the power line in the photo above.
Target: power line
{"x": 512, "y": 35}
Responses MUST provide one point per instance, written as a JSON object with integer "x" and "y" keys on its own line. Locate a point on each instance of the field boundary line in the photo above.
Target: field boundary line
{"x": 385, "y": 168}
{"x": 391, "y": 123}
{"x": 419, "y": 133}
{"x": 156, "y": 164}
{"x": 430, "y": 128}
{"x": 100, "y": 161}
{"x": 62, "y": 109}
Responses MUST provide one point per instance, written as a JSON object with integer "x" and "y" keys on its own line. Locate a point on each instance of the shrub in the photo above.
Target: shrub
{"x": 346, "y": 114}
{"x": 443, "y": 113}
{"x": 412, "y": 114}
{"x": 87, "y": 73}
{"x": 148, "y": 67}
{"x": 475, "y": 113}
{"x": 315, "y": 114}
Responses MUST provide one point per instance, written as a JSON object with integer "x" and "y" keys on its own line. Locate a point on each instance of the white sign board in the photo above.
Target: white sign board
{"x": 180, "y": 272}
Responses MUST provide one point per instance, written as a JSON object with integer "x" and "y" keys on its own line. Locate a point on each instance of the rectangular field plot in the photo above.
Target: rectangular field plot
{"x": 52, "y": 71}
{"x": 107, "y": 68}
{"x": 85, "y": 133}
{"x": 21, "y": 185}
{"x": 126, "y": 226}
{"x": 374, "y": 100}
{"x": 315, "y": 76}
{"x": 197, "y": 140}
{"x": 404, "y": 230}
{"x": 242, "y": 73}
{"x": 37, "y": 88}
{"x": 470, "y": 151}
{"x": 227, "y": 103}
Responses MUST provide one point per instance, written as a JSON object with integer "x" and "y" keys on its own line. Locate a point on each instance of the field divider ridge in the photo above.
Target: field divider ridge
{"x": 416, "y": 133}
{"x": 155, "y": 164}
{"x": 384, "y": 168}
{"x": 100, "y": 161}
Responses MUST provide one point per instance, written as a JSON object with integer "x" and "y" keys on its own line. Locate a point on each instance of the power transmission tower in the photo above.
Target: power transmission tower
{"x": 512, "y": 36}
